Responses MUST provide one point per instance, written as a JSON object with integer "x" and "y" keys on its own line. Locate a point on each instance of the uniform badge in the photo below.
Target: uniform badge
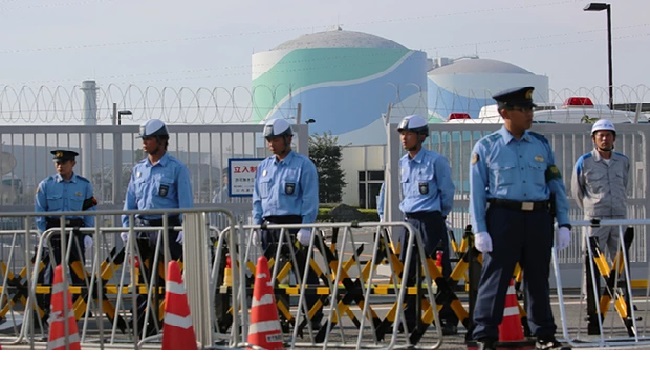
{"x": 539, "y": 158}
{"x": 474, "y": 158}
{"x": 423, "y": 187}
{"x": 289, "y": 188}
{"x": 138, "y": 175}
{"x": 264, "y": 173}
{"x": 163, "y": 190}
{"x": 529, "y": 94}
{"x": 78, "y": 193}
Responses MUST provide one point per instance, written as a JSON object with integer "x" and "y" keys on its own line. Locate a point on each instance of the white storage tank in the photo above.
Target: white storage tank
{"x": 465, "y": 85}
{"x": 344, "y": 80}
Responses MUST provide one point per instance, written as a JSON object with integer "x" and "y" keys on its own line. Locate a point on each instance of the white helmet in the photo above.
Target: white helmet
{"x": 153, "y": 127}
{"x": 414, "y": 123}
{"x": 276, "y": 128}
{"x": 602, "y": 124}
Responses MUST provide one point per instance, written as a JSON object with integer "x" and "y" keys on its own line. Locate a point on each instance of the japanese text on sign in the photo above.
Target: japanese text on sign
{"x": 242, "y": 176}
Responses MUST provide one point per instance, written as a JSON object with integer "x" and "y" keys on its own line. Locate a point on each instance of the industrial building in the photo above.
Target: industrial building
{"x": 346, "y": 80}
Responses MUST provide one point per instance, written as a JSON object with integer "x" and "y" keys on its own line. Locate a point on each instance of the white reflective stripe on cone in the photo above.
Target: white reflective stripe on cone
{"x": 184, "y": 322}
{"x": 60, "y": 342}
{"x": 266, "y": 299}
{"x": 266, "y": 326}
{"x": 175, "y": 288}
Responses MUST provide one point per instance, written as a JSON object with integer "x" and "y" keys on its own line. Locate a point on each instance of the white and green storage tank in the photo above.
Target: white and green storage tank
{"x": 344, "y": 80}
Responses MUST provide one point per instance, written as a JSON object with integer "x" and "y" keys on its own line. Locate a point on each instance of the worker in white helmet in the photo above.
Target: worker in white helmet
{"x": 286, "y": 192}
{"x": 599, "y": 185}
{"x": 160, "y": 181}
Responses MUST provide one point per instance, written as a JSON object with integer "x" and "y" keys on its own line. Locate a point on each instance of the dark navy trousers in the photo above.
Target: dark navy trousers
{"x": 517, "y": 236}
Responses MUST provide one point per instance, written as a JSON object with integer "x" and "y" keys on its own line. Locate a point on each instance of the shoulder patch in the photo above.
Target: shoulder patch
{"x": 474, "y": 158}
{"x": 552, "y": 173}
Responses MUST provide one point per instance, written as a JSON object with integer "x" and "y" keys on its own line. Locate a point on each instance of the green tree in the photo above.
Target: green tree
{"x": 326, "y": 153}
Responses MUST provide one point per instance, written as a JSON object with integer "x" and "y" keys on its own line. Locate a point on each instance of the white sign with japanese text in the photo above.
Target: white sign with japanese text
{"x": 242, "y": 176}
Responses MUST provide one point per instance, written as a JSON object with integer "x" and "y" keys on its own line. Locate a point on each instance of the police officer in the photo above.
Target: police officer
{"x": 286, "y": 192}
{"x": 427, "y": 196}
{"x": 63, "y": 192}
{"x": 513, "y": 176}
{"x": 599, "y": 185}
{"x": 160, "y": 181}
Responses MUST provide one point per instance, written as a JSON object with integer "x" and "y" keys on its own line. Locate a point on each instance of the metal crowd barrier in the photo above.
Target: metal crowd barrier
{"x": 346, "y": 282}
{"x": 108, "y": 280}
{"x": 623, "y": 292}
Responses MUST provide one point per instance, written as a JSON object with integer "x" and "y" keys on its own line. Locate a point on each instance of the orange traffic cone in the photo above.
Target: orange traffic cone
{"x": 178, "y": 331}
{"x": 56, "y": 339}
{"x": 510, "y": 328}
{"x": 265, "y": 330}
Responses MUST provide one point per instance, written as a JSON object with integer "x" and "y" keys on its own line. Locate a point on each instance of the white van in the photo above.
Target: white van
{"x": 573, "y": 110}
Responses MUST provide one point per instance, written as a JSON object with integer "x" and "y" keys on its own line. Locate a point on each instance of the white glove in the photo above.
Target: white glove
{"x": 483, "y": 242}
{"x": 256, "y": 238}
{"x": 179, "y": 237}
{"x": 563, "y": 238}
{"x": 448, "y": 223}
{"x": 303, "y": 236}
{"x": 88, "y": 242}
{"x": 125, "y": 237}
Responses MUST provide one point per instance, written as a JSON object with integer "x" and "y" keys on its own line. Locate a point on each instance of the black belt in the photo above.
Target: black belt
{"x": 422, "y": 214}
{"x": 171, "y": 220}
{"x": 526, "y": 206}
{"x": 69, "y": 222}
{"x": 289, "y": 219}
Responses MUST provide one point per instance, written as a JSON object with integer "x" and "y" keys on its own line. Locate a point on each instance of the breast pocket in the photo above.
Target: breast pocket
{"x": 265, "y": 188}
{"x": 504, "y": 173}
{"x": 165, "y": 188}
{"x": 424, "y": 182}
{"x": 54, "y": 202}
{"x": 76, "y": 202}
{"x": 291, "y": 183}
{"x": 140, "y": 188}
{"x": 537, "y": 173}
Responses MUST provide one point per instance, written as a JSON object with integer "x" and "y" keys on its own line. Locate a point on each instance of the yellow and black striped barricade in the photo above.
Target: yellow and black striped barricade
{"x": 627, "y": 328}
{"x": 345, "y": 289}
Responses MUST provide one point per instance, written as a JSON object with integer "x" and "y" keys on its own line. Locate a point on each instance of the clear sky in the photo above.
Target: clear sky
{"x": 209, "y": 43}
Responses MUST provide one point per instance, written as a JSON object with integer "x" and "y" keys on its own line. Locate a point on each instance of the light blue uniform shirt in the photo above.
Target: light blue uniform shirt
{"x": 425, "y": 183}
{"x": 56, "y": 195}
{"x": 503, "y": 167}
{"x": 165, "y": 185}
{"x": 286, "y": 187}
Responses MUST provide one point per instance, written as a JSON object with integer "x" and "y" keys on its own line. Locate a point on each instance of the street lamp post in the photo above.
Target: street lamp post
{"x": 598, "y": 7}
{"x": 120, "y": 113}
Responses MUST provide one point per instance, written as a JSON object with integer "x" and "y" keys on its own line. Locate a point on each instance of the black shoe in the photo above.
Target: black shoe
{"x": 550, "y": 344}
{"x": 449, "y": 330}
{"x": 486, "y": 344}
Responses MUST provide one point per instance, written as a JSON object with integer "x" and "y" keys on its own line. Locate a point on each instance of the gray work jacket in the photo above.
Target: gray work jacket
{"x": 600, "y": 188}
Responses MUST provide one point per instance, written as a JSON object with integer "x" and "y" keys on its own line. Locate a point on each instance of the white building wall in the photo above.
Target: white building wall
{"x": 359, "y": 158}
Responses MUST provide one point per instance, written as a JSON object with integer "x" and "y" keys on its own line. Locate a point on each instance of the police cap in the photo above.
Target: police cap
{"x": 63, "y": 155}
{"x": 522, "y": 97}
